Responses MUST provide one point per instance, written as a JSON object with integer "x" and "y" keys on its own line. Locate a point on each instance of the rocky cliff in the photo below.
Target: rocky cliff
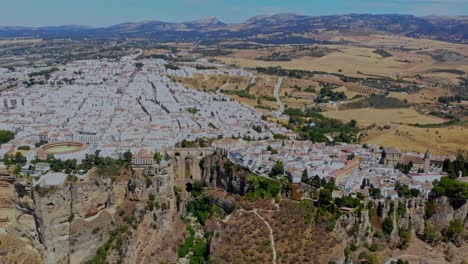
{"x": 19, "y": 239}
{"x": 411, "y": 226}
{"x": 217, "y": 171}
{"x": 73, "y": 222}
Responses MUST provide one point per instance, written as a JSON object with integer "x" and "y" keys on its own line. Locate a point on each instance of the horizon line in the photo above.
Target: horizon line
{"x": 219, "y": 19}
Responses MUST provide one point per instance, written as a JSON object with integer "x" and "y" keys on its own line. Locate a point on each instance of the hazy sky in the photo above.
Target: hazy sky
{"x": 107, "y": 12}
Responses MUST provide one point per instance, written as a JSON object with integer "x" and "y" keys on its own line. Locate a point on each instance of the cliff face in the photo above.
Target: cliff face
{"x": 444, "y": 212}
{"x": 68, "y": 216}
{"x": 68, "y": 223}
{"x": 19, "y": 239}
{"x": 217, "y": 172}
{"x": 409, "y": 225}
{"x": 53, "y": 211}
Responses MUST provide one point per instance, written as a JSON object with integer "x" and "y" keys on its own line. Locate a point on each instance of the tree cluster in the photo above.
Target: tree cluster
{"x": 5, "y": 136}
{"x": 453, "y": 168}
{"x": 455, "y": 190}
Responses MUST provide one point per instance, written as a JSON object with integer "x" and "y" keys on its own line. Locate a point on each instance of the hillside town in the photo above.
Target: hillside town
{"x": 111, "y": 107}
{"x": 116, "y": 106}
{"x": 202, "y": 132}
{"x": 349, "y": 165}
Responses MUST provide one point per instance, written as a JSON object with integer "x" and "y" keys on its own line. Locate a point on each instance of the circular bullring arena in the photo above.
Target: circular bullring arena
{"x": 63, "y": 150}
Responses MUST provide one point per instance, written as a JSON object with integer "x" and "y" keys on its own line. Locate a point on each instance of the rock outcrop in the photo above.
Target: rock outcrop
{"x": 217, "y": 171}
{"x": 19, "y": 239}
{"x": 69, "y": 222}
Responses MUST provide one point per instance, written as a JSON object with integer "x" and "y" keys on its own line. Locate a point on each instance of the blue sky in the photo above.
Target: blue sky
{"x": 107, "y": 12}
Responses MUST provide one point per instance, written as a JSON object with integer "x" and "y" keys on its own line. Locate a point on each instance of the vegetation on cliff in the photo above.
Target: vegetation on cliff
{"x": 261, "y": 187}
{"x": 455, "y": 190}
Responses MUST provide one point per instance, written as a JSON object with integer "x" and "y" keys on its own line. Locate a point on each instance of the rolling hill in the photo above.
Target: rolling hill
{"x": 280, "y": 28}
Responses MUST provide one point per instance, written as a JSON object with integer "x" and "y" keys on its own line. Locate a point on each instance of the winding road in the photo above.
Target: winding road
{"x": 278, "y": 100}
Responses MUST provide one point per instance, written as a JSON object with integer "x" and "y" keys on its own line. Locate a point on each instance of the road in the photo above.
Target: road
{"x": 221, "y": 88}
{"x": 254, "y": 78}
{"x": 278, "y": 100}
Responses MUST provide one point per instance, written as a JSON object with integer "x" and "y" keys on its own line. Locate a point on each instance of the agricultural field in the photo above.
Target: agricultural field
{"x": 369, "y": 116}
{"x": 390, "y": 81}
{"x": 427, "y": 95}
{"x": 214, "y": 82}
{"x": 299, "y": 93}
{"x": 439, "y": 141}
{"x": 366, "y": 61}
{"x": 18, "y": 41}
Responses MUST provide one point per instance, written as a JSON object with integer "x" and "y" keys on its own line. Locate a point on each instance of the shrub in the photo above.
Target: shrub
{"x": 454, "y": 231}
{"x": 430, "y": 234}
{"x": 260, "y": 187}
{"x": 95, "y": 230}
{"x": 71, "y": 217}
{"x": 405, "y": 238}
{"x": 368, "y": 258}
{"x": 374, "y": 247}
{"x": 24, "y": 148}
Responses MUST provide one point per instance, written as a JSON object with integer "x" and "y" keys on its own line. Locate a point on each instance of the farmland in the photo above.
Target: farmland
{"x": 368, "y": 116}
{"x": 387, "y": 81}
{"x": 441, "y": 141}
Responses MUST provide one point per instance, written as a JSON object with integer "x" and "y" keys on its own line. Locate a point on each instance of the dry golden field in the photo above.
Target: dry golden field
{"x": 264, "y": 85}
{"x": 368, "y": 116}
{"x": 427, "y": 95}
{"x": 294, "y": 93}
{"x": 213, "y": 82}
{"x": 349, "y": 92}
{"x": 244, "y": 237}
{"x": 440, "y": 141}
{"x": 18, "y": 41}
{"x": 415, "y": 60}
{"x": 393, "y": 41}
{"x": 362, "y": 61}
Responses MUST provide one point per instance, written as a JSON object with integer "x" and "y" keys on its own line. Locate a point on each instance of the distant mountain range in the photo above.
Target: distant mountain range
{"x": 280, "y": 28}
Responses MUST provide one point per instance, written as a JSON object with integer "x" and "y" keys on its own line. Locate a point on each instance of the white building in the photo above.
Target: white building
{"x": 425, "y": 177}
{"x": 143, "y": 158}
{"x": 89, "y": 138}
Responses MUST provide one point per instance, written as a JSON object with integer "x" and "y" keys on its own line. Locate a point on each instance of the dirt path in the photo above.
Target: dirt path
{"x": 272, "y": 238}
{"x": 254, "y": 78}
{"x": 221, "y": 88}
{"x": 276, "y": 93}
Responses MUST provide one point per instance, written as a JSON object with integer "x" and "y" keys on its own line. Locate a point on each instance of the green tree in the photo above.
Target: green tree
{"x": 139, "y": 65}
{"x": 157, "y": 157}
{"x": 304, "y": 176}
{"x": 455, "y": 190}
{"x": 277, "y": 169}
{"x": 325, "y": 196}
{"x": 127, "y": 156}
{"x": 387, "y": 225}
{"x": 5, "y": 136}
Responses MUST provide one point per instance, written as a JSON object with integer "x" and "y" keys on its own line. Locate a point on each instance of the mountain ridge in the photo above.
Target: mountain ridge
{"x": 451, "y": 29}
